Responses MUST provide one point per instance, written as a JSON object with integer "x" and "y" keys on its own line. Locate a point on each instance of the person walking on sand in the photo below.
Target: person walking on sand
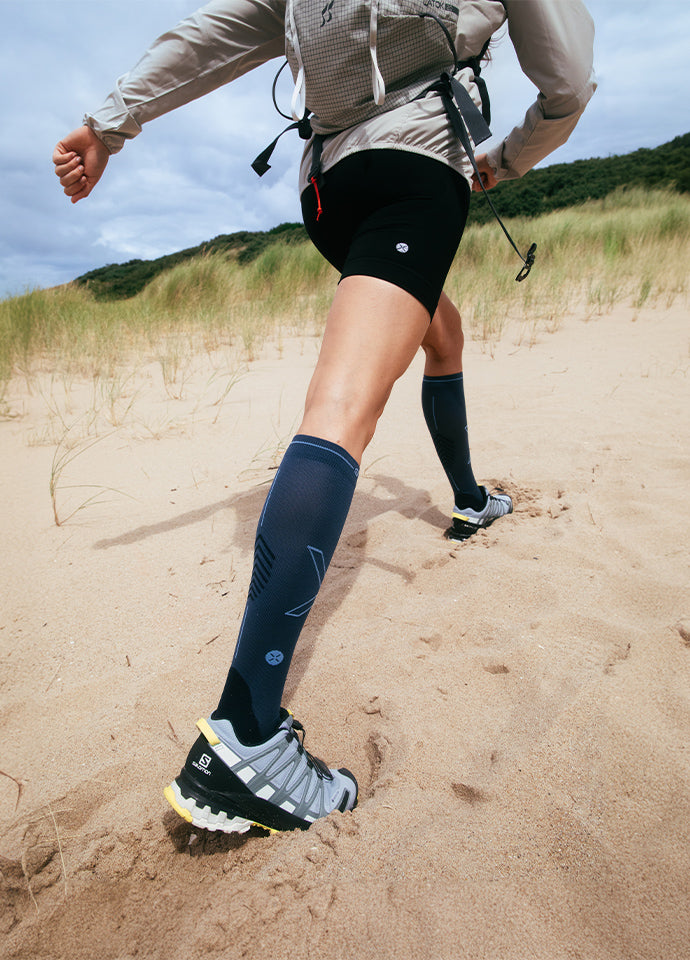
{"x": 385, "y": 195}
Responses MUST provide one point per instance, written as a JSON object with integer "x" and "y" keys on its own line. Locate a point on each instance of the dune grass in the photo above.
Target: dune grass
{"x": 632, "y": 246}
{"x": 189, "y": 333}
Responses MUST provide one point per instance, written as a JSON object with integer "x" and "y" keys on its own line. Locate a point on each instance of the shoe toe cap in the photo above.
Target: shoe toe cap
{"x": 350, "y": 790}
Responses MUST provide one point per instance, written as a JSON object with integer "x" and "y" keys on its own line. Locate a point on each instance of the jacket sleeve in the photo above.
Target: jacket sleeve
{"x": 217, "y": 44}
{"x": 553, "y": 40}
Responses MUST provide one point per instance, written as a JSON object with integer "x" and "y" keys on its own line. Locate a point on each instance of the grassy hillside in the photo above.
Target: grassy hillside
{"x": 568, "y": 184}
{"x": 117, "y": 281}
{"x": 633, "y": 244}
{"x": 555, "y": 187}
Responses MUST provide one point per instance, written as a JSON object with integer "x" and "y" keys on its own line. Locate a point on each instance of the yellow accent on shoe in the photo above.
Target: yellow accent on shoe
{"x": 461, "y": 516}
{"x": 207, "y": 732}
{"x": 270, "y": 830}
{"x": 170, "y": 797}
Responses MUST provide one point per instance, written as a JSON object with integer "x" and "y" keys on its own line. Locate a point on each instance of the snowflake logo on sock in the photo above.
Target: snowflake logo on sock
{"x": 274, "y": 657}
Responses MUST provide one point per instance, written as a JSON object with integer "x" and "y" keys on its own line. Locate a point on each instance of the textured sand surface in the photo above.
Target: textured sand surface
{"x": 516, "y": 709}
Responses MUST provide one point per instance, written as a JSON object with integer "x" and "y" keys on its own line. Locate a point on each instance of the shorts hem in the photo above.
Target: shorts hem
{"x": 414, "y": 284}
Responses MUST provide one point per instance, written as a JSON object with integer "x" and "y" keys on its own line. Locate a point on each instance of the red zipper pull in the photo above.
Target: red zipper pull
{"x": 319, "y": 208}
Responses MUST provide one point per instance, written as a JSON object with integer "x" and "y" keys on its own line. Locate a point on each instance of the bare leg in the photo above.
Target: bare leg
{"x": 373, "y": 331}
{"x": 444, "y": 341}
{"x": 443, "y": 403}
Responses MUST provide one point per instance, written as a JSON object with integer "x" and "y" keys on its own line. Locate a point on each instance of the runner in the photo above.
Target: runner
{"x": 388, "y": 209}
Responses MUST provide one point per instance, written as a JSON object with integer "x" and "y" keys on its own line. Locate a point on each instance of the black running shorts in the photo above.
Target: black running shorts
{"x": 390, "y": 214}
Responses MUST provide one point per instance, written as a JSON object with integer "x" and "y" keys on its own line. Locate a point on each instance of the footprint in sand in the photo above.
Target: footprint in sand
{"x": 469, "y": 794}
{"x": 383, "y": 745}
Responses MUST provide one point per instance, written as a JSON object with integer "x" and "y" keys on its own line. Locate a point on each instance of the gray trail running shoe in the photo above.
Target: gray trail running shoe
{"x": 225, "y": 785}
{"x": 467, "y": 521}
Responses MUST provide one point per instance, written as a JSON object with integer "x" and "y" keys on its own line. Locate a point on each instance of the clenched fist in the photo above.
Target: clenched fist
{"x": 80, "y": 159}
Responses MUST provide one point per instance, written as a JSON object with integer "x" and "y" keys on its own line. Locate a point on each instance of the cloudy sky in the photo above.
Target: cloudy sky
{"x": 187, "y": 177}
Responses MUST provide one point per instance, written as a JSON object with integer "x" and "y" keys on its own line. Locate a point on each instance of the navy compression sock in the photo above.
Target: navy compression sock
{"x": 299, "y": 528}
{"x": 443, "y": 403}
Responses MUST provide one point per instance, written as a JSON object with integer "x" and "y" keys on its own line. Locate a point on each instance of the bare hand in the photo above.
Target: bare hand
{"x": 488, "y": 176}
{"x": 80, "y": 159}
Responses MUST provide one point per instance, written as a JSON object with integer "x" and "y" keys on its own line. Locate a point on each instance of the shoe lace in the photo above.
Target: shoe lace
{"x": 313, "y": 762}
{"x": 496, "y": 506}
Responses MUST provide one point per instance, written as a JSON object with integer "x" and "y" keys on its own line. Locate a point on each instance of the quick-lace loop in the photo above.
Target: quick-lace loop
{"x": 314, "y": 762}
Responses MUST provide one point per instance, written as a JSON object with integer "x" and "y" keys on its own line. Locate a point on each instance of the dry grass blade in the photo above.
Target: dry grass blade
{"x": 65, "y": 455}
{"x": 59, "y": 843}
{"x": 20, "y": 786}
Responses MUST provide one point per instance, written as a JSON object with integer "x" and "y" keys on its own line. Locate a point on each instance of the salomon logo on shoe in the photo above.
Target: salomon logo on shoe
{"x": 203, "y": 764}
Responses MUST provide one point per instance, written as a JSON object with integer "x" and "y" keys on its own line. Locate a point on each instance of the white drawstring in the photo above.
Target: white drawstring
{"x": 377, "y": 84}
{"x": 297, "y": 104}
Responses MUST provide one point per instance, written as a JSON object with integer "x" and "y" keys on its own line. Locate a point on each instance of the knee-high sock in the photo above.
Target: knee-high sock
{"x": 299, "y": 528}
{"x": 443, "y": 403}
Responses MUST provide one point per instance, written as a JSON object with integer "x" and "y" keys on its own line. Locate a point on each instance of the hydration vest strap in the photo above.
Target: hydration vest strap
{"x": 484, "y": 95}
{"x": 472, "y": 119}
{"x": 260, "y": 165}
{"x": 451, "y": 92}
{"x": 316, "y": 151}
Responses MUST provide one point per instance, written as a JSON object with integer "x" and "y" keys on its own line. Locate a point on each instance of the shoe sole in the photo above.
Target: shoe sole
{"x": 204, "y": 817}
{"x": 214, "y": 811}
{"x": 463, "y": 528}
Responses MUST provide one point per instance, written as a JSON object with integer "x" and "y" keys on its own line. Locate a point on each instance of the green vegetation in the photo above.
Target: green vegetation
{"x": 117, "y": 281}
{"x": 568, "y": 184}
{"x": 554, "y": 187}
{"x": 208, "y": 301}
{"x": 633, "y": 245}
{"x": 183, "y": 327}
{"x": 630, "y": 242}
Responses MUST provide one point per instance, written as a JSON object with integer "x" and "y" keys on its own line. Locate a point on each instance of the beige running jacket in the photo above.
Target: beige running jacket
{"x": 227, "y": 38}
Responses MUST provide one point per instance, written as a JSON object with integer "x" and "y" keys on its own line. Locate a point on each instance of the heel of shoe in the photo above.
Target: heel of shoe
{"x": 201, "y": 815}
{"x": 461, "y": 530}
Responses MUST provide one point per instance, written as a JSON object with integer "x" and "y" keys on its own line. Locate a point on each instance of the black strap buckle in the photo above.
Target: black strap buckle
{"x": 261, "y": 164}
{"x": 528, "y": 264}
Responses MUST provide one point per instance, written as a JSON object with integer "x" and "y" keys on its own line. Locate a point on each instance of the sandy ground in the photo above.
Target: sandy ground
{"x": 516, "y": 709}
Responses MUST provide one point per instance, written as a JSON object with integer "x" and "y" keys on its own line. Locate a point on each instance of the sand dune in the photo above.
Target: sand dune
{"x": 516, "y": 709}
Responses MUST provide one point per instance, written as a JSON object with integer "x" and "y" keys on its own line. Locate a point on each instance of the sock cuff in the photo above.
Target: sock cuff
{"x": 325, "y": 451}
{"x": 448, "y": 378}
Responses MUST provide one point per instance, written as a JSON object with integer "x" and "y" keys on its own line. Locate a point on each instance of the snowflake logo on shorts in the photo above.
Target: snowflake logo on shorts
{"x": 402, "y": 247}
